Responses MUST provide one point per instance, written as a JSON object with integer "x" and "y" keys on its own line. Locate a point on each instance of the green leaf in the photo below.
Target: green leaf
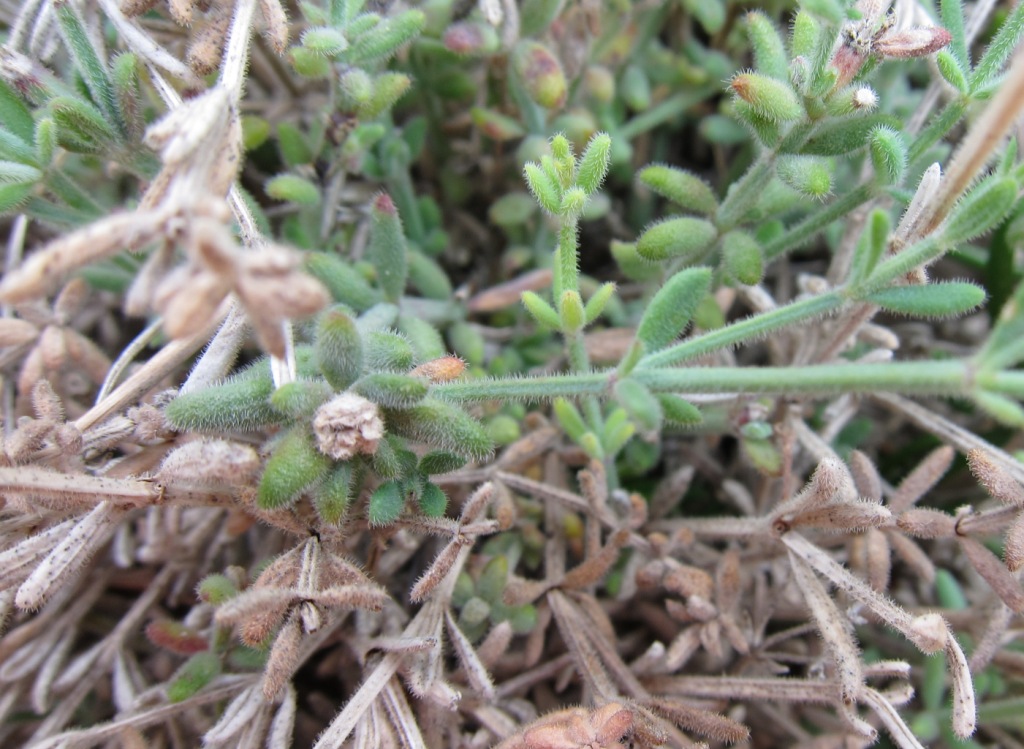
{"x": 14, "y": 148}
{"x": 947, "y": 299}
{"x": 770, "y": 55}
{"x": 951, "y": 70}
{"x": 710, "y": 14}
{"x": 300, "y": 399}
{"x": 387, "y": 352}
{"x": 308, "y": 63}
{"x": 14, "y": 114}
{"x": 88, "y": 63}
{"x": 81, "y": 127}
{"x": 392, "y": 390}
{"x": 836, "y": 136}
{"x": 13, "y": 197}
{"x": 598, "y": 301}
{"x": 495, "y": 125}
{"x": 439, "y": 461}
{"x": 433, "y": 501}
{"x": 536, "y": 15}
{"x": 386, "y": 503}
{"x": 544, "y": 188}
{"x": 240, "y": 403}
{"x": 805, "y": 36}
{"x": 570, "y": 419}
{"x": 593, "y": 164}
{"x": 888, "y": 154}
{"x": 339, "y": 350}
{"x": 428, "y": 277}
{"x": 640, "y": 403}
{"x": 635, "y": 88}
{"x": 770, "y": 98}
{"x": 293, "y": 146}
{"x": 872, "y": 244}
{"x": 669, "y": 312}
{"x": 632, "y": 265}
{"x": 685, "y": 238}
{"x": 951, "y": 13}
{"x": 387, "y": 249}
{"x": 678, "y": 410}
{"x": 294, "y": 465}
{"x": 194, "y": 674}
{"x": 442, "y": 425}
{"x": 981, "y": 210}
{"x": 493, "y": 580}
{"x": 344, "y": 282}
{"x": 293, "y": 189}
{"x": 998, "y": 50}
{"x": 467, "y": 341}
{"x": 385, "y": 39}
{"x": 681, "y": 187}
{"x": 742, "y": 257}
{"x": 811, "y": 176}
{"x": 324, "y": 40}
{"x": 14, "y": 173}
{"x": 571, "y": 313}
{"x": 427, "y": 343}
{"x": 332, "y": 497}
{"x": 541, "y": 311}
{"x": 388, "y": 88}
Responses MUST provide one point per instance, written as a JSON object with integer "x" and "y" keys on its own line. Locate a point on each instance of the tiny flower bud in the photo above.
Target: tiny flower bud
{"x": 769, "y": 97}
{"x": 541, "y": 74}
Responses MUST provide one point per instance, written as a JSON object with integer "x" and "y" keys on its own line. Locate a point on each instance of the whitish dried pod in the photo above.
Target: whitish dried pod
{"x": 687, "y": 580}
{"x": 1003, "y": 583}
{"x": 835, "y": 630}
{"x": 865, "y": 476}
{"x": 922, "y": 478}
{"x": 844, "y": 517}
{"x": 14, "y": 332}
{"x": 1013, "y": 545}
{"x": 213, "y": 462}
{"x": 924, "y": 522}
{"x": 996, "y": 481}
{"x": 68, "y": 557}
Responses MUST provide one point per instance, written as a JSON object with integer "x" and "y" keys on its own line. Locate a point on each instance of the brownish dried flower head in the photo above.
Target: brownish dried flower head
{"x": 346, "y": 425}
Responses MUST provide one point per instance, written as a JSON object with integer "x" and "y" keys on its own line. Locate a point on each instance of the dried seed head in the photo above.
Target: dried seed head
{"x": 347, "y": 425}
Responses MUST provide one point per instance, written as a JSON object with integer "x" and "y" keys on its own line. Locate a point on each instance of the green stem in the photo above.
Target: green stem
{"x": 812, "y": 225}
{"x": 745, "y": 193}
{"x": 955, "y": 377}
{"x": 919, "y": 378}
{"x": 405, "y": 198}
{"x": 754, "y": 327}
{"x": 665, "y": 111}
{"x": 941, "y": 124}
{"x": 568, "y": 266}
